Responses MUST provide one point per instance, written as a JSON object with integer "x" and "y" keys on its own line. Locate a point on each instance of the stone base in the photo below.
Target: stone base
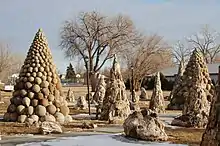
{"x": 174, "y": 107}
{"x": 194, "y": 121}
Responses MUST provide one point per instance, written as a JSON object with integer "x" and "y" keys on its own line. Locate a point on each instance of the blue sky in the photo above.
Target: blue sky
{"x": 173, "y": 19}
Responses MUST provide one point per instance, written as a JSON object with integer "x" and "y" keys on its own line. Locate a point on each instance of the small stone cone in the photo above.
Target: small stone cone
{"x": 195, "y": 75}
{"x": 197, "y": 91}
{"x": 116, "y": 104}
{"x": 70, "y": 96}
{"x": 177, "y": 81}
{"x": 82, "y": 103}
{"x": 143, "y": 95}
{"x": 211, "y": 136}
{"x": 157, "y": 100}
{"x": 38, "y": 91}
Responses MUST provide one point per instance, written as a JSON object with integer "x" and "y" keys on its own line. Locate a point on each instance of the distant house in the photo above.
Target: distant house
{"x": 170, "y": 73}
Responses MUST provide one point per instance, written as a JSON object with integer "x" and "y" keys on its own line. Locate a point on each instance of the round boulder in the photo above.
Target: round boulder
{"x": 64, "y": 110}
{"x": 40, "y": 110}
{"x": 21, "y": 109}
{"x": 26, "y": 101}
{"x": 59, "y": 117}
{"x": 11, "y": 108}
{"x": 30, "y": 110}
{"x": 22, "y": 118}
{"x": 51, "y": 109}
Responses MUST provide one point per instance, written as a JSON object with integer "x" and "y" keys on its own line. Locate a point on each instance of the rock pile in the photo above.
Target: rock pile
{"x": 211, "y": 136}
{"x": 197, "y": 93}
{"x": 38, "y": 93}
{"x": 145, "y": 125}
{"x": 143, "y": 95}
{"x": 157, "y": 100}
{"x": 195, "y": 75}
{"x": 116, "y": 104}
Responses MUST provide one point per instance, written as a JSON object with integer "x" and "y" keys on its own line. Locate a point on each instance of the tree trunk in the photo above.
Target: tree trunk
{"x": 93, "y": 81}
{"x": 137, "y": 85}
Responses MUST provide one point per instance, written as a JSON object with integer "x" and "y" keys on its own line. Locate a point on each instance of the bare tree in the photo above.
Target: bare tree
{"x": 9, "y": 63}
{"x": 207, "y": 41}
{"x": 181, "y": 53}
{"x": 151, "y": 55}
{"x": 97, "y": 37}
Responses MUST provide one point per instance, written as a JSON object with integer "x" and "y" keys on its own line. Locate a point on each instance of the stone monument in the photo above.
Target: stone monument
{"x": 197, "y": 93}
{"x": 157, "y": 100}
{"x": 38, "y": 92}
{"x": 116, "y": 104}
{"x": 211, "y": 136}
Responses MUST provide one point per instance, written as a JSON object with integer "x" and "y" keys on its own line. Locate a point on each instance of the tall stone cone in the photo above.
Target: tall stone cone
{"x": 177, "y": 81}
{"x": 195, "y": 75}
{"x": 211, "y": 136}
{"x": 157, "y": 101}
{"x": 197, "y": 93}
{"x": 116, "y": 104}
{"x": 100, "y": 91}
{"x": 100, "y": 94}
{"x": 38, "y": 91}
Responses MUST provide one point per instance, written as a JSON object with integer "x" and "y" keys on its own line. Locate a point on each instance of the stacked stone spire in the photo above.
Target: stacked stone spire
{"x": 196, "y": 93}
{"x": 195, "y": 75}
{"x": 116, "y": 104}
{"x": 177, "y": 82}
{"x": 212, "y": 134}
{"x": 38, "y": 92}
{"x": 100, "y": 93}
{"x": 157, "y": 100}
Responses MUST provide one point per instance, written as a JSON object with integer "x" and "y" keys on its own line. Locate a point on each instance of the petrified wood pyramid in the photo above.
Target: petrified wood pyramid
{"x": 211, "y": 136}
{"x": 197, "y": 93}
{"x": 115, "y": 105}
{"x": 38, "y": 91}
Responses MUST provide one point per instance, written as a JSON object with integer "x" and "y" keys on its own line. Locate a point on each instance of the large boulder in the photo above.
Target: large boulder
{"x": 48, "y": 127}
{"x": 145, "y": 125}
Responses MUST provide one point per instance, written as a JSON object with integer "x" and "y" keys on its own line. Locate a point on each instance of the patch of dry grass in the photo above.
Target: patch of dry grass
{"x": 189, "y": 136}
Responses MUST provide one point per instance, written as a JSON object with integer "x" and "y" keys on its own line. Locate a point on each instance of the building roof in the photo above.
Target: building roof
{"x": 212, "y": 68}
